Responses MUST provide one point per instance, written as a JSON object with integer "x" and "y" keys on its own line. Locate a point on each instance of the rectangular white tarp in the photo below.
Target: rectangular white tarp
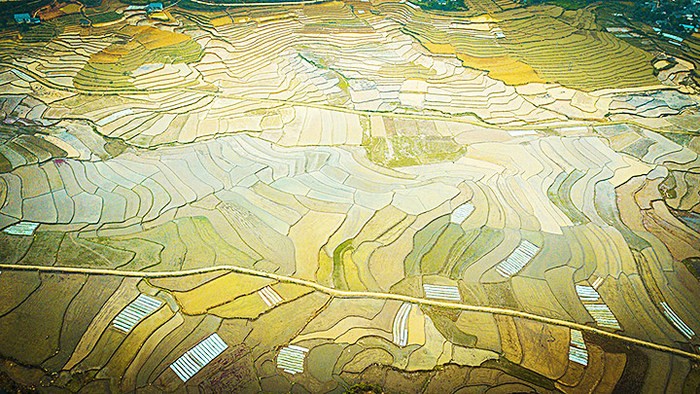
{"x": 136, "y": 311}
{"x": 462, "y": 212}
{"x": 577, "y": 349}
{"x": 198, "y": 357}
{"x": 269, "y": 296}
{"x": 21, "y": 228}
{"x": 450, "y": 293}
{"x": 400, "y": 332}
{"x": 517, "y": 259}
{"x": 676, "y": 321}
{"x": 291, "y": 359}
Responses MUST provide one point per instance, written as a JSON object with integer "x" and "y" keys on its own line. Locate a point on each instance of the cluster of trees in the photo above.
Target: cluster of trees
{"x": 8, "y": 9}
{"x": 442, "y": 5}
{"x": 668, "y": 15}
{"x": 566, "y": 4}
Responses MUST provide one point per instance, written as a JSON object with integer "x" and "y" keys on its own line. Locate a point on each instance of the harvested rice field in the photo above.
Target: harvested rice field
{"x": 361, "y": 196}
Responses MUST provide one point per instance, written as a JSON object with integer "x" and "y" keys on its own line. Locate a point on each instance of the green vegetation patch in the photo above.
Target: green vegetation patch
{"x": 321, "y": 360}
{"x": 44, "y": 249}
{"x": 15, "y": 287}
{"x": 117, "y": 76}
{"x": 76, "y": 251}
{"x": 442, "y": 248}
{"x": 692, "y": 380}
{"x": 410, "y": 286}
{"x": 638, "y": 148}
{"x": 43, "y": 32}
{"x": 423, "y": 242}
{"x": 446, "y": 252}
{"x": 109, "y": 16}
{"x": 9, "y": 8}
{"x": 145, "y": 253}
{"x": 183, "y": 243}
{"x": 560, "y": 194}
{"x": 483, "y": 243}
{"x": 112, "y": 68}
{"x": 402, "y": 151}
{"x": 547, "y": 44}
{"x": 339, "y": 281}
{"x": 211, "y": 5}
{"x": 365, "y": 388}
{"x": 115, "y": 147}
{"x": 441, "y": 5}
{"x": 681, "y": 138}
{"x": 501, "y": 294}
{"x": 575, "y": 57}
{"x": 636, "y": 367}
{"x": 667, "y": 188}
{"x": 14, "y": 247}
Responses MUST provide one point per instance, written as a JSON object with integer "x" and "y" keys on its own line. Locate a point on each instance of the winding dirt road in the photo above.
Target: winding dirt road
{"x": 356, "y": 294}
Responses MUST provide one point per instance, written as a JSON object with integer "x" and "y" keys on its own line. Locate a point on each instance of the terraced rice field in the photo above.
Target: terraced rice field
{"x": 335, "y": 196}
{"x": 138, "y": 52}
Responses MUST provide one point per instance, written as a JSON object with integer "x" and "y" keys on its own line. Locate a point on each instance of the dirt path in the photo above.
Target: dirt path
{"x": 357, "y": 294}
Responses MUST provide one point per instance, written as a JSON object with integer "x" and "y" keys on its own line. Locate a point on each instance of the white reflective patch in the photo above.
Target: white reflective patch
{"x": 136, "y": 311}
{"x": 198, "y": 357}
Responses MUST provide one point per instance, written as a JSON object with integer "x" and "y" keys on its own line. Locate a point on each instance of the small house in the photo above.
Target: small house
{"x": 26, "y": 19}
{"x": 154, "y": 7}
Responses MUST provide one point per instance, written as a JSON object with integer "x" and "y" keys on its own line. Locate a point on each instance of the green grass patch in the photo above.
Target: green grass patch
{"x": 680, "y": 138}
{"x": 487, "y": 239}
{"x": 213, "y": 4}
{"x": 434, "y": 261}
{"x": 339, "y": 281}
{"x": 44, "y": 32}
{"x": 365, "y": 388}
{"x": 105, "y": 17}
{"x": 423, "y": 242}
{"x": 560, "y": 194}
{"x": 441, "y": 5}
{"x": 97, "y": 76}
{"x": 402, "y": 151}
